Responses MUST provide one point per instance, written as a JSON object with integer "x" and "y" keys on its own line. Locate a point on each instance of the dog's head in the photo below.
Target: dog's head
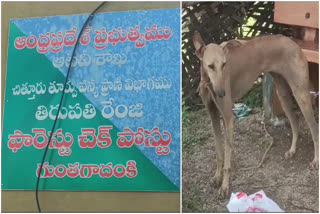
{"x": 213, "y": 61}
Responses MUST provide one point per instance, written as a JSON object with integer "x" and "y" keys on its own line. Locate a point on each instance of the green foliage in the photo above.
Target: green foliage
{"x": 254, "y": 97}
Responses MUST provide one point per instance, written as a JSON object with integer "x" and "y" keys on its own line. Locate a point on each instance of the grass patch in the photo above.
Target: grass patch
{"x": 194, "y": 130}
{"x": 193, "y": 202}
{"x": 186, "y": 115}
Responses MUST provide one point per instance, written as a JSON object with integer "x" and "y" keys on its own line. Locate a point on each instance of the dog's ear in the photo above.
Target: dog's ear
{"x": 229, "y": 45}
{"x": 198, "y": 44}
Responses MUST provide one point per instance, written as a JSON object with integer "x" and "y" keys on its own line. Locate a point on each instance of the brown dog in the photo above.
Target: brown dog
{"x": 228, "y": 71}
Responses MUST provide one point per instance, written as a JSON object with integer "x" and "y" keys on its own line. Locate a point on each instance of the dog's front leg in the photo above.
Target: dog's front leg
{"x": 215, "y": 119}
{"x": 224, "y": 105}
{"x": 228, "y": 124}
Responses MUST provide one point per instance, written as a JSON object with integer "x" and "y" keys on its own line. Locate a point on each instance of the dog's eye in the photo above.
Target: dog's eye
{"x": 211, "y": 66}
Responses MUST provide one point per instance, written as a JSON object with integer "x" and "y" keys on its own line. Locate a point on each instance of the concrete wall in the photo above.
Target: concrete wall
{"x": 62, "y": 201}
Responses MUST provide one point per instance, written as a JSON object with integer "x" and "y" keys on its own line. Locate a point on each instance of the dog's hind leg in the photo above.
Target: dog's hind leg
{"x": 285, "y": 97}
{"x": 303, "y": 98}
{"x": 215, "y": 119}
{"x": 299, "y": 84}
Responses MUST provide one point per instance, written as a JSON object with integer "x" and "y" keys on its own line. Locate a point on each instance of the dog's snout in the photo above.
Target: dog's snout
{"x": 221, "y": 93}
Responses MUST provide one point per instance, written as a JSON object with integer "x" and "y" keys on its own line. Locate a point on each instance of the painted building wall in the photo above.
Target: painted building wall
{"x": 65, "y": 201}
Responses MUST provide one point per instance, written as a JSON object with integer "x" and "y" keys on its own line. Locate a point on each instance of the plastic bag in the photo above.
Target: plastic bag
{"x": 257, "y": 202}
{"x": 241, "y": 110}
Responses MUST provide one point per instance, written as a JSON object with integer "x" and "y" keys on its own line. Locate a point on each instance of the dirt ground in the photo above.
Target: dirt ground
{"x": 292, "y": 184}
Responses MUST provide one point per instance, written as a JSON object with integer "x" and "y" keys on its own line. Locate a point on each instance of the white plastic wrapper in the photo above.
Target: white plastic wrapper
{"x": 257, "y": 202}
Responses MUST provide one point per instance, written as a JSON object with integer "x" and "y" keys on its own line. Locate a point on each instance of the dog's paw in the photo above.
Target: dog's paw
{"x": 216, "y": 180}
{"x": 289, "y": 154}
{"x": 224, "y": 192}
{"x": 315, "y": 164}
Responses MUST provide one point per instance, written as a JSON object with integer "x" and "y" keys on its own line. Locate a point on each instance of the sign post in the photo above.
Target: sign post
{"x": 119, "y": 125}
